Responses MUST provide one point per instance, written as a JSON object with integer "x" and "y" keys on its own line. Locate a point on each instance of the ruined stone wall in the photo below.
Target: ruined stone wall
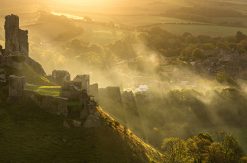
{"x": 129, "y": 101}
{"x": 94, "y": 91}
{"x": 111, "y": 93}
{"x": 16, "y": 86}
{"x": 51, "y": 104}
{"x": 23, "y": 42}
{"x": 60, "y": 76}
{"x": 85, "y": 81}
{"x": 110, "y": 99}
{"x": 71, "y": 90}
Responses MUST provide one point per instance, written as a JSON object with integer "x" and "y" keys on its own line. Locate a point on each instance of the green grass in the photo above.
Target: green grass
{"x": 32, "y": 77}
{"x": 28, "y": 134}
{"x": 44, "y": 90}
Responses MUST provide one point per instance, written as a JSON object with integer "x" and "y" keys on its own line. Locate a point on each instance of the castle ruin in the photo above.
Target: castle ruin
{"x": 16, "y": 87}
{"x": 16, "y": 39}
{"x": 16, "y": 52}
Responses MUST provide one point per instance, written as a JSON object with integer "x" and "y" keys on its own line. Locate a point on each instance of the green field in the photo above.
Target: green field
{"x": 211, "y": 30}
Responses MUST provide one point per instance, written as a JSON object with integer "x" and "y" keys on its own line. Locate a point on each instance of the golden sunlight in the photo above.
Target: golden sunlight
{"x": 88, "y": 2}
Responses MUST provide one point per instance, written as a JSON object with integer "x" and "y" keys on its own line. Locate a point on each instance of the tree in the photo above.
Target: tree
{"x": 176, "y": 151}
{"x": 226, "y": 150}
{"x": 232, "y": 150}
{"x": 215, "y": 153}
{"x": 198, "y": 147}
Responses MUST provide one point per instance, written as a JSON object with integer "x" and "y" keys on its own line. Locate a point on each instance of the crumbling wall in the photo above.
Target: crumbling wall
{"x": 85, "y": 81}
{"x": 23, "y": 42}
{"x": 94, "y": 91}
{"x": 60, "y": 76}
{"x": 129, "y": 101}
{"x": 71, "y": 90}
{"x": 16, "y": 86}
{"x": 51, "y": 104}
{"x": 111, "y": 93}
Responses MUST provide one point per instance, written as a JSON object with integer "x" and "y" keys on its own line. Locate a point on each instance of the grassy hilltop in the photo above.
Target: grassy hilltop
{"x": 29, "y": 134}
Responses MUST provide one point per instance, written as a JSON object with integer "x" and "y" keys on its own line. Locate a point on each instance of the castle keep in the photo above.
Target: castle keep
{"x": 16, "y": 39}
{"x": 16, "y": 52}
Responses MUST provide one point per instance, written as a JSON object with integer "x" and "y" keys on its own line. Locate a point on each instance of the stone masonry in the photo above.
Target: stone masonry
{"x": 85, "y": 81}
{"x": 16, "y": 39}
{"x": 16, "y": 86}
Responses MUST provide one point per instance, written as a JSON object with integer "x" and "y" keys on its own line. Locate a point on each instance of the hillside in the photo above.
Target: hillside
{"x": 30, "y": 135}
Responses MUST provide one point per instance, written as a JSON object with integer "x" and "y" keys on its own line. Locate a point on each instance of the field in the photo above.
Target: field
{"x": 173, "y": 25}
{"x": 196, "y": 29}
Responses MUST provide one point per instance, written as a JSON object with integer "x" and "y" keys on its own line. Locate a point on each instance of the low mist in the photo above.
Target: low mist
{"x": 177, "y": 85}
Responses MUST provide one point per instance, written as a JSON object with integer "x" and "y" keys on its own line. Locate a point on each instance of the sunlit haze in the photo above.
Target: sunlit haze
{"x": 132, "y": 81}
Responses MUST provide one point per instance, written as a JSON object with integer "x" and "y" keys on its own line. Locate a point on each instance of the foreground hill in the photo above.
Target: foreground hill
{"x": 30, "y": 135}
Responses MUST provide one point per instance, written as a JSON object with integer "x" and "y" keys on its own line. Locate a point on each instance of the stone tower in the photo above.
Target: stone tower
{"x": 85, "y": 81}
{"x": 16, "y": 40}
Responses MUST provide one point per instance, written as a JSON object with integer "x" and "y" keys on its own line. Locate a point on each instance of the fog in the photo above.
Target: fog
{"x": 173, "y": 97}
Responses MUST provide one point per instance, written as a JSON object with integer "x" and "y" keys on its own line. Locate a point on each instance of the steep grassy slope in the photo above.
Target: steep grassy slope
{"x": 30, "y": 75}
{"x": 27, "y": 134}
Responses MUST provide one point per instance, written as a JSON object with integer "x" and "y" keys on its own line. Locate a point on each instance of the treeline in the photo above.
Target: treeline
{"x": 181, "y": 113}
{"x": 220, "y": 14}
{"x": 211, "y": 55}
{"x": 219, "y": 148}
